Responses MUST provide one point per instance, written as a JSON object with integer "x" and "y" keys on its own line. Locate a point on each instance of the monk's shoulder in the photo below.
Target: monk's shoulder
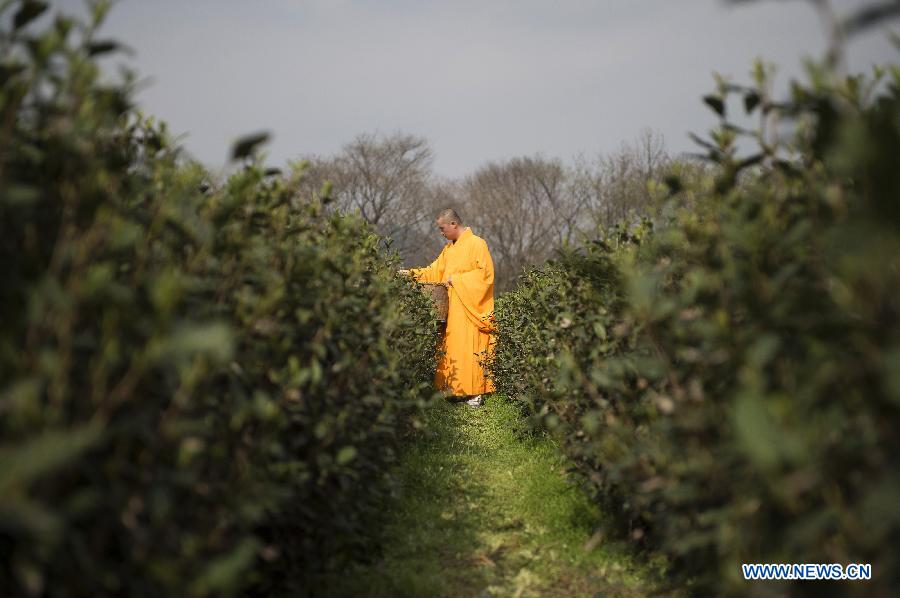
{"x": 478, "y": 242}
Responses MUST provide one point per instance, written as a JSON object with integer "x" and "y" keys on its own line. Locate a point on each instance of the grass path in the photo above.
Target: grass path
{"x": 487, "y": 511}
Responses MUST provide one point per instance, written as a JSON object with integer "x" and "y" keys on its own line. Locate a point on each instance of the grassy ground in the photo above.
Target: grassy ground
{"x": 485, "y": 511}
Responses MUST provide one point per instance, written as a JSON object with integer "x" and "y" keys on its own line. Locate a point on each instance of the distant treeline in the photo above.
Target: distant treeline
{"x": 525, "y": 207}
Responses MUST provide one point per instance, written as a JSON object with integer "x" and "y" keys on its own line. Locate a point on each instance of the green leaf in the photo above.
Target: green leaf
{"x": 751, "y": 101}
{"x": 345, "y": 455}
{"x": 673, "y": 182}
{"x": 28, "y": 12}
{"x": 763, "y": 438}
{"x": 10, "y": 70}
{"x": 212, "y": 338}
{"x": 890, "y": 369}
{"x": 750, "y": 161}
{"x": 716, "y": 103}
{"x": 325, "y": 191}
{"x": 24, "y": 463}
{"x": 222, "y": 574}
{"x": 103, "y": 47}
{"x": 763, "y": 350}
{"x": 20, "y": 195}
{"x": 246, "y": 146}
{"x": 34, "y": 518}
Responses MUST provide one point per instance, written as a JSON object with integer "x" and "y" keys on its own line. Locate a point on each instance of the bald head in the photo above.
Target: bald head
{"x": 449, "y": 215}
{"x": 449, "y": 223}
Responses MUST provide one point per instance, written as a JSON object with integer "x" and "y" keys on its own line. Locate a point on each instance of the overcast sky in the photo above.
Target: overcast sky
{"x": 480, "y": 79}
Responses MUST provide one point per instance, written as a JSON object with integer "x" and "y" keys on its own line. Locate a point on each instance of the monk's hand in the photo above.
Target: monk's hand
{"x": 450, "y": 281}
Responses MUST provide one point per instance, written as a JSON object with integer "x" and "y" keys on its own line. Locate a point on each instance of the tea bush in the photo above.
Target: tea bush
{"x": 201, "y": 383}
{"x": 726, "y": 379}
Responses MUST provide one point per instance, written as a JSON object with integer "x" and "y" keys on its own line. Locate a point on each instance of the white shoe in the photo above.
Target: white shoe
{"x": 475, "y": 401}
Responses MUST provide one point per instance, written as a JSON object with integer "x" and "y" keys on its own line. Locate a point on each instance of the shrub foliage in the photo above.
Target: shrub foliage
{"x": 725, "y": 375}
{"x": 201, "y": 383}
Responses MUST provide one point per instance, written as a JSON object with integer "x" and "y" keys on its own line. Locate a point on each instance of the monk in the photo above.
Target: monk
{"x": 465, "y": 266}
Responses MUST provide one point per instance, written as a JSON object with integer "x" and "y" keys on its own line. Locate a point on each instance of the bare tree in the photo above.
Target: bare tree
{"x": 615, "y": 186}
{"x": 442, "y": 193}
{"x": 386, "y": 179}
{"x": 524, "y": 208}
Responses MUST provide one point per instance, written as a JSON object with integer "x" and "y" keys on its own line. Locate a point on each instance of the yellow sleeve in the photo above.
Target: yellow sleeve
{"x": 433, "y": 272}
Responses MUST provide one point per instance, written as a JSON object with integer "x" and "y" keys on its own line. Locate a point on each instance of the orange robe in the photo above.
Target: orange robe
{"x": 470, "y": 313}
